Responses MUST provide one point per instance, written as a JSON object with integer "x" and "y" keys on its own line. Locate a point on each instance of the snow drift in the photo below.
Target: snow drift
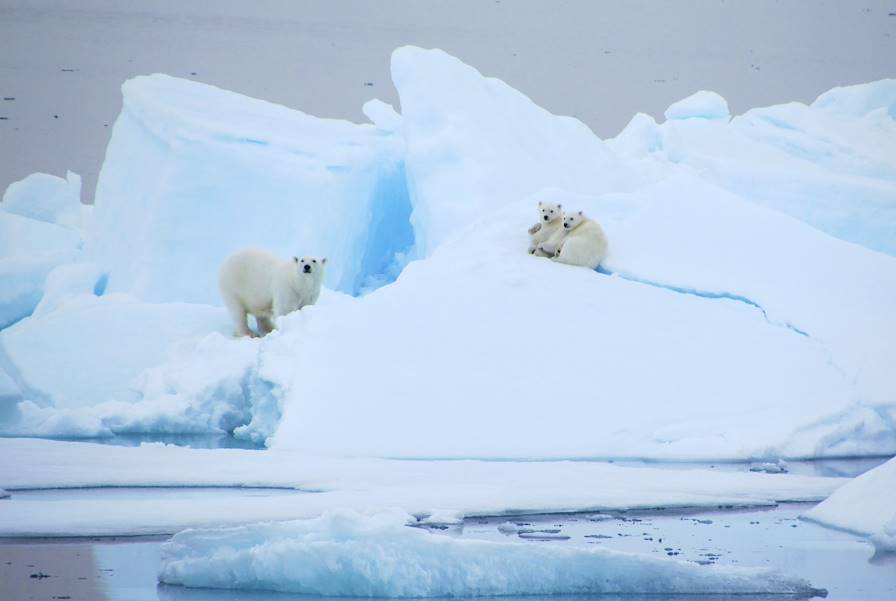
{"x": 744, "y": 310}
{"x": 351, "y": 554}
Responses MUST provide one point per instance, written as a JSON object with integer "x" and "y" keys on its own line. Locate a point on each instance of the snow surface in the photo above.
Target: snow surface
{"x": 434, "y": 491}
{"x": 866, "y": 506}
{"x": 728, "y": 322}
{"x": 345, "y": 553}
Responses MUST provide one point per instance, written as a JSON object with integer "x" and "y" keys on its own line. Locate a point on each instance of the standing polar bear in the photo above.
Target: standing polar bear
{"x": 254, "y": 282}
{"x": 580, "y": 241}
{"x": 550, "y": 221}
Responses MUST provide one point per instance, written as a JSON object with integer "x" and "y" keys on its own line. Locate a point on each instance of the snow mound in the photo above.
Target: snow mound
{"x": 699, "y": 105}
{"x": 344, "y": 553}
{"x": 866, "y": 506}
{"x": 42, "y": 225}
{"x": 858, "y": 101}
{"x": 49, "y": 199}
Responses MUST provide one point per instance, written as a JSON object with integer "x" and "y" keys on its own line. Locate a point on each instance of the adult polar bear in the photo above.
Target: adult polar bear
{"x": 581, "y": 241}
{"x": 255, "y": 282}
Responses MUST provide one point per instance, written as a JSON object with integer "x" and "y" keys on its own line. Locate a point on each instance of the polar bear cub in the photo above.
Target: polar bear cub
{"x": 257, "y": 283}
{"x": 550, "y": 221}
{"x": 581, "y": 241}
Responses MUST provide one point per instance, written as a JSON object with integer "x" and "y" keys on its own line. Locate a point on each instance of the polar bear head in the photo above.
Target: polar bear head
{"x": 313, "y": 266}
{"x": 549, "y": 211}
{"x": 573, "y": 219}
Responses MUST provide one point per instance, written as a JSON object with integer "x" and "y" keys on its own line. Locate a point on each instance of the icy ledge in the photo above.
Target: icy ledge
{"x": 344, "y": 553}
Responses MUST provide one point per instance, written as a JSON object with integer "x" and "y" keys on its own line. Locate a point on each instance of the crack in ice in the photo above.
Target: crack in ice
{"x": 706, "y": 294}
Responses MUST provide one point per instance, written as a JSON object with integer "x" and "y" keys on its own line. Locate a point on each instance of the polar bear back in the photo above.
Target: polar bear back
{"x": 586, "y": 245}
{"x": 248, "y": 277}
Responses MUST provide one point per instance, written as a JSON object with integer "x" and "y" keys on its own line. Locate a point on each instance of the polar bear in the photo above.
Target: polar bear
{"x": 255, "y": 282}
{"x": 550, "y": 221}
{"x": 581, "y": 241}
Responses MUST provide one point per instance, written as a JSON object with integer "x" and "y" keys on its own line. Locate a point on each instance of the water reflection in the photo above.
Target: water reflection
{"x": 195, "y": 441}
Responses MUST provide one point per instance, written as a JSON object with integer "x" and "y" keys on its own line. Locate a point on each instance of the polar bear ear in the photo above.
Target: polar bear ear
{"x": 295, "y": 259}
{"x": 580, "y": 212}
{"x": 559, "y": 206}
{"x": 323, "y": 261}
{"x": 540, "y": 203}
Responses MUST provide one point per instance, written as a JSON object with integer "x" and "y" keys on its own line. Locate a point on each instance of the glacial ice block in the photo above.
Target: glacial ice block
{"x": 194, "y": 173}
{"x": 345, "y": 553}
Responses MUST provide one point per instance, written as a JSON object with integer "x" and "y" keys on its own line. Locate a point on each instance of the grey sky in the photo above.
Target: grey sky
{"x": 64, "y": 61}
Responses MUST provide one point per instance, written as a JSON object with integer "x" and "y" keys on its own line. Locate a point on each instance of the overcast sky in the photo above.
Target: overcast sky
{"x": 63, "y": 61}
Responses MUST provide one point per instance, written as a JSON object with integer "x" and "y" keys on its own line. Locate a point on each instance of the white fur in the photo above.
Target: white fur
{"x": 550, "y": 221}
{"x": 581, "y": 241}
{"x": 255, "y": 282}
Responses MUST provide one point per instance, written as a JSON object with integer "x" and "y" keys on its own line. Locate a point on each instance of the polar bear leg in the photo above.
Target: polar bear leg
{"x": 265, "y": 325}
{"x": 238, "y": 313}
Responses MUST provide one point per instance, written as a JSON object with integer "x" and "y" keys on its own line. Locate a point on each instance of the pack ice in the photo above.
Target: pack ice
{"x": 744, "y": 310}
{"x": 345, "y": 553}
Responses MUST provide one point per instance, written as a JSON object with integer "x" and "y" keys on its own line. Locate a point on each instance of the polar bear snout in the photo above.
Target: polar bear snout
{"x": 307, "y": 268}
{"x": 545, "y": 217}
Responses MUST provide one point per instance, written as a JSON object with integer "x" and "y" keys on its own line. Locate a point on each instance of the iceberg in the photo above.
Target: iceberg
{"x": 743, "y": 311}
{"x": 700, "y": 105}
{"x": 194, "y": 173}
{"x": 344, "y": 553}
{"x": 865, "y": 505}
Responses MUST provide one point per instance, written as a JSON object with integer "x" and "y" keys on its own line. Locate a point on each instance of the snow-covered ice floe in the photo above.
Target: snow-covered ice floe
{"x": 345, "y": 553}
{"x": 434, "y": 491}
{"x": 866, "y": 506}
{"x": 744, "y": 311}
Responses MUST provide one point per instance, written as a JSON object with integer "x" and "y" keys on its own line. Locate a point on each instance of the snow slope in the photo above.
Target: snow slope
{"x": 727, "y": 322}
{"x": 866, "y": 505}
{"x": 435, "y": 491}
{"x": 350, "y": 554}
